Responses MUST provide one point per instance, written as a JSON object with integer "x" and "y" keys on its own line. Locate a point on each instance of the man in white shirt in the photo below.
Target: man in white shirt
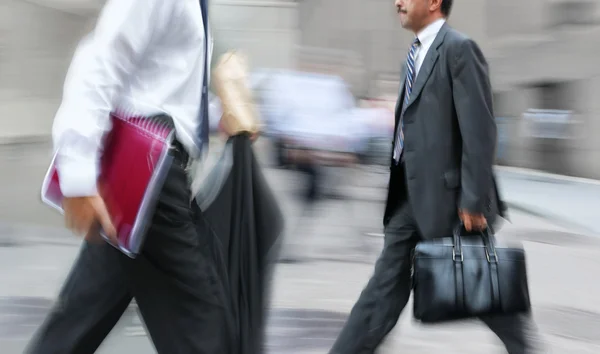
{"x": 147, "y": 58}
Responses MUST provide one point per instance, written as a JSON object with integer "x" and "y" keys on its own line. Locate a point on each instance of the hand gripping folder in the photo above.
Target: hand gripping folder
{"x": 134, "y": 165}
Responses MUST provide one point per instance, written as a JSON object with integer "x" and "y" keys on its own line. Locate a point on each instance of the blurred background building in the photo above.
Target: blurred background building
{"x": 541, "y": 55}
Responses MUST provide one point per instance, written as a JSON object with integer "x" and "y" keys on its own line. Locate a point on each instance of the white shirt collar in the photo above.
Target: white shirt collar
{"x": 428, "y": 34}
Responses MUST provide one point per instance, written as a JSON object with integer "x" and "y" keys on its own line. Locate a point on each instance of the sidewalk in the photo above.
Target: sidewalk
{"x": 570, "y": 201}
{"x": 311, "y": 300}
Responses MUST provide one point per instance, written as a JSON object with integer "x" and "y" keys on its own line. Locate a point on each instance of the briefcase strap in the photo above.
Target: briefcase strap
{"x": 492, "y": 259}
{"x": 460, "y": 288}
{"x": 495, "y": 281}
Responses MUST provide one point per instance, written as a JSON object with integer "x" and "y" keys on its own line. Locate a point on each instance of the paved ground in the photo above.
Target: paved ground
{"x": 311, "y": 298}
{"x": 572, "y": 201}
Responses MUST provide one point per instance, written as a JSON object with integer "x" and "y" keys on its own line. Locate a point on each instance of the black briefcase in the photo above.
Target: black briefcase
{"x": 467, "y": 276}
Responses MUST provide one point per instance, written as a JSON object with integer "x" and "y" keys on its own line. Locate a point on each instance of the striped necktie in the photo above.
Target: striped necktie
{"x": 204, "y": 124}
{"x": 410, "y": 79}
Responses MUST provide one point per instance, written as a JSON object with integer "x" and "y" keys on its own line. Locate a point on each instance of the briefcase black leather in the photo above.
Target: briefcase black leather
{"x": 466, "y": 276}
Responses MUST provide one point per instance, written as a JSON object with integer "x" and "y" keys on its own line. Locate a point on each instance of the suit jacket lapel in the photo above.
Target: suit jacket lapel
{"x": 400, "y": 91}
{"x": 428, "y": 65}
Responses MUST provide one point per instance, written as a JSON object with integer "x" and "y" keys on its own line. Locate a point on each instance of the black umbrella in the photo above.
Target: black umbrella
{"x": 240, "y": 210}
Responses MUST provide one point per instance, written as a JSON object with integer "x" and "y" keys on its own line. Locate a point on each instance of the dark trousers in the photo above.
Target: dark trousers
{"x": 174, "y": 281}
{"x": 313, "y": 181}
{"x": 386, "y": 294}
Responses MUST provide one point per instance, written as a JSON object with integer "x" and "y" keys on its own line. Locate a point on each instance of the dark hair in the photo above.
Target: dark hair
{"x": 446, "y": 7}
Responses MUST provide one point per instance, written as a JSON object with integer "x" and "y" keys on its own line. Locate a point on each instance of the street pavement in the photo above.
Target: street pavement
{"x": 312, "y": 298}
{"x": 574, "y": 202}
{"x": 335, "y": 245}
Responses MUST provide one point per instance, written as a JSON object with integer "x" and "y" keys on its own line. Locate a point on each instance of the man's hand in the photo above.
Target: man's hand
{"x": 471, "y": 221}
{"x": 84, "y": 215}
{"x": 224, "y": 131}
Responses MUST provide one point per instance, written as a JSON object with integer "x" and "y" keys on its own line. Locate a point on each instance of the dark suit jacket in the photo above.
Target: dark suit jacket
{"x": 449, "y": 138}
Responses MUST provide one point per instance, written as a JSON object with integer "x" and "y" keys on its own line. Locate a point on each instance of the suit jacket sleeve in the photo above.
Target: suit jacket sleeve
{"x": 473, "y": 102}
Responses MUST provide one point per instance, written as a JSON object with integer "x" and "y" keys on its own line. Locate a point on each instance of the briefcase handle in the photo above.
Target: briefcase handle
{"x": 488, "y": 241}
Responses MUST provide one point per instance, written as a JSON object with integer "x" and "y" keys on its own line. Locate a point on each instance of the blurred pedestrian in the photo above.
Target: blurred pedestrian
{"x": 441, "y": 171}
{"x": 147, "y": 58}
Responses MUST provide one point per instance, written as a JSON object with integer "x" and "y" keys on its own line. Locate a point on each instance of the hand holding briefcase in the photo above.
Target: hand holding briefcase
{"x": 461, "y": 277}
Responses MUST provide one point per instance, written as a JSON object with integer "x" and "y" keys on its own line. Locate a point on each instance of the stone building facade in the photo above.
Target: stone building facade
{"x": 542, "y": 55}
{"x": 38, "y": 38}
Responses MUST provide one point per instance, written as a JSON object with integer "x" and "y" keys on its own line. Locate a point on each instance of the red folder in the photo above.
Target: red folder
{"x": 134, "y": 165}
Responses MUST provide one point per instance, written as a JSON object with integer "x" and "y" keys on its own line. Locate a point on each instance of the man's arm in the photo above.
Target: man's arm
{"x": 100, "y": 68}
{"x": 473, "y": 101}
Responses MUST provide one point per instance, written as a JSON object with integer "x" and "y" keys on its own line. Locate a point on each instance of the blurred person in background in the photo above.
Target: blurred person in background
{"x": 147, "y": 58}
{"x": 441, "y": 172}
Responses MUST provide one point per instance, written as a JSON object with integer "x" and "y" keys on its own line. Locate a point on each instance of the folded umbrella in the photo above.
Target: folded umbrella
{"x": 238, "y": 208}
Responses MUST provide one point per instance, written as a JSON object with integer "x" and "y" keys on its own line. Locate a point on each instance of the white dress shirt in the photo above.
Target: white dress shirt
{"x": 426, "y": 37}
{"x": 144, "y": 57}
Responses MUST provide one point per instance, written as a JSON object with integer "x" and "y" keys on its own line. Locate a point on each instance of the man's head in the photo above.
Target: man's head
{"x": 416, "y": 14}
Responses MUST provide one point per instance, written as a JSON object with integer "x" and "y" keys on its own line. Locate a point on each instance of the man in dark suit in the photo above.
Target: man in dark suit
{"x": 441, "y": 171}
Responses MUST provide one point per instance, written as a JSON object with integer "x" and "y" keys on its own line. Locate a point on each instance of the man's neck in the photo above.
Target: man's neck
{"x": 429, "y": 21}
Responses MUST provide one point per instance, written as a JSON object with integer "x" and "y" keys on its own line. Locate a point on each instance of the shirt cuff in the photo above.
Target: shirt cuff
{"x": 78, "y": 176}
